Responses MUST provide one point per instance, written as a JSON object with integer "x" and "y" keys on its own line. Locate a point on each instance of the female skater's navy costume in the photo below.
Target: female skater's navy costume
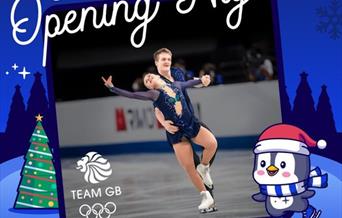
{"x": 187, "y": 123}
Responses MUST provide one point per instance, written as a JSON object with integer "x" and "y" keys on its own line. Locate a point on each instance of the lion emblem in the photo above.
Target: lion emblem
{"x": 94, "y": 167}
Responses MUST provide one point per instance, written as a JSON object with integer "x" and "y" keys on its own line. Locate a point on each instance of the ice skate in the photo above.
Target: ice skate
{"x": 210, "y": 190}
{"x": 311, "y": 212}
{"x": 204, "y": 172}
{"x": 207, "y": 204}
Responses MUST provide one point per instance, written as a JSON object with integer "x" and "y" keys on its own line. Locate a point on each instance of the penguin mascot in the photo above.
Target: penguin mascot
{"x": 282, "y": 171}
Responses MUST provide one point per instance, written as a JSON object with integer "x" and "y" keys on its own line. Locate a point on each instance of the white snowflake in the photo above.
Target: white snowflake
{"x": 330, "y": 19}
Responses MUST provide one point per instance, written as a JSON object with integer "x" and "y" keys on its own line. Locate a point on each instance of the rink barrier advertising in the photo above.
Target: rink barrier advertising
{"x": 119, "y": 120}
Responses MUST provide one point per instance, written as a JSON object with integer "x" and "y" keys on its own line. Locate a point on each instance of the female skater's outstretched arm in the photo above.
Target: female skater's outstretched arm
{"x": 205, "y": 80}
{"x": 151, "y": 95}
{"x": 152, "y": 82}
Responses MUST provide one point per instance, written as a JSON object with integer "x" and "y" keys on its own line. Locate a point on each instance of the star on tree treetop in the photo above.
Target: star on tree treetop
{"x": 39, "y": 118}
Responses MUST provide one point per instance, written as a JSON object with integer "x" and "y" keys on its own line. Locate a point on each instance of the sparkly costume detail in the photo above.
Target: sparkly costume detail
{"x": 187, "y": 123}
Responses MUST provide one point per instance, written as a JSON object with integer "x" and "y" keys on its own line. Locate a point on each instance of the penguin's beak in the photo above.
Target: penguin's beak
{"x": 272, "y": 170}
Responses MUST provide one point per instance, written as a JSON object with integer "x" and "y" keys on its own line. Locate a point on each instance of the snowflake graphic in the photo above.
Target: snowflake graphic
{"x": 330, "y": 19}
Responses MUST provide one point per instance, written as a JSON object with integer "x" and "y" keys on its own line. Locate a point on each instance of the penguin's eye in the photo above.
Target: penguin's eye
{"x": 283, "y": 164}
{"x": 262, "y": 163}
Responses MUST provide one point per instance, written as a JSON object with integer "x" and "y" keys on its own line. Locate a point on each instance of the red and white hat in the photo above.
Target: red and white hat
{"x": 286, "y": 138}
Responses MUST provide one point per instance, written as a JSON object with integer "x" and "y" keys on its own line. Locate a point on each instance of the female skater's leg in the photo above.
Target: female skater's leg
{"x": 213, "y": 158}
{"x": 208, "y": 141}
{"x": 184, "y": 154}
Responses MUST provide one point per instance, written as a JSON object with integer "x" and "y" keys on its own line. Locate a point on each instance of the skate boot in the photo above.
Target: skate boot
{"x": 207, "y": 204}
{"x": 204, "y": 172}
{"x": 210, "y": 190}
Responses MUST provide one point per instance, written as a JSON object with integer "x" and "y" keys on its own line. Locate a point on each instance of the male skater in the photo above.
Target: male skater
{"x": 163, "y": 59}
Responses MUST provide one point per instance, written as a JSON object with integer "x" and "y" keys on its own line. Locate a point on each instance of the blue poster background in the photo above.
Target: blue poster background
{"x": 310, "y": 51}
{"x": 309, "y": 40}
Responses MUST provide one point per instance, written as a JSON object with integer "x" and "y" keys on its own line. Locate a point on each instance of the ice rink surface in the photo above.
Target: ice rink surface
{"x": 155, "y": 186}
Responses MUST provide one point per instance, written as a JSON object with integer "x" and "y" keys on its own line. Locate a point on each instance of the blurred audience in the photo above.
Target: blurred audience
{"x": 253, "y": 61}
{"x": 138, "y": 84}
{"x": 258, "y": 66}
{"x": 188, "y": 74}
{"x": 215, "y": 76}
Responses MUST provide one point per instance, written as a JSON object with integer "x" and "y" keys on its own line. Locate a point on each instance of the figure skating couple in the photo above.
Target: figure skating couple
{"x": 174, "y": 111}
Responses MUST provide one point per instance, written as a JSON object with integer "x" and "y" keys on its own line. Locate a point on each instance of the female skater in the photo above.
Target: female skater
{"x": 170, "y": 100}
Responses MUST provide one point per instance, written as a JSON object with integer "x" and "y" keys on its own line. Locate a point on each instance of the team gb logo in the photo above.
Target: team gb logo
{"x": 94, "y": 167}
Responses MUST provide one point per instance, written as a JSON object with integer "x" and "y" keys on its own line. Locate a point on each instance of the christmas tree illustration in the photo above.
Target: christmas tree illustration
{"x": 37, "y": 187}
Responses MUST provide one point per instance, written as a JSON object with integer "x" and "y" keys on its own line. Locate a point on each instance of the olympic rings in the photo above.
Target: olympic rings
{"x": 88, "y": 211}
{"x": 98, "y": 209}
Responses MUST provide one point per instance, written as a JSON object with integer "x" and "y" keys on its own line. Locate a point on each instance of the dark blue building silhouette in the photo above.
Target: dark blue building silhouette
{"x": 37, "y": 102}
{"x": 303, "y": 114}
{"x": 318, "y": 122}
{"x": 286, "y": 108}
{"x": 13, "y": 139}
{"x": 20, "y": 124}
{"x": 325, "y": 117}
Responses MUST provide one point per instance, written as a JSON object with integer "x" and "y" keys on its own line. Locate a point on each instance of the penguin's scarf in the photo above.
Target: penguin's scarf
{"x": 315, "y": 180}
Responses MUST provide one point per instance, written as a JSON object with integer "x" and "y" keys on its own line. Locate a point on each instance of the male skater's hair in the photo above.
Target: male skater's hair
{"x": 159, "y": 51}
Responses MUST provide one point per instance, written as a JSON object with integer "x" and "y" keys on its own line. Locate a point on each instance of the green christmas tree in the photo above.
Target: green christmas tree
{"x": 37, "y": 187}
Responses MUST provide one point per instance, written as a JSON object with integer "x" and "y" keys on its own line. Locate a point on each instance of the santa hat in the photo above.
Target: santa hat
{"x": 286, "y": 138}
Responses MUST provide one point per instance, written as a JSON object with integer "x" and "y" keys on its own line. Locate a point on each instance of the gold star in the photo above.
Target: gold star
{"x": 39, "y": 118}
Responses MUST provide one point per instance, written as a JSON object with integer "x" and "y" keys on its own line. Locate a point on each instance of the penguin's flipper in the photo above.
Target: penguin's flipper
{"x": 307, "y": 194}
{"x": 259, "y": 197}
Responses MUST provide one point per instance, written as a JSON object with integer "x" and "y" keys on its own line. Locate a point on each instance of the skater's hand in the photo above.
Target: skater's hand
{"x": 205, "y": 80}
{"x": 108, "y": 82}
{"x": 168, "y": 125}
